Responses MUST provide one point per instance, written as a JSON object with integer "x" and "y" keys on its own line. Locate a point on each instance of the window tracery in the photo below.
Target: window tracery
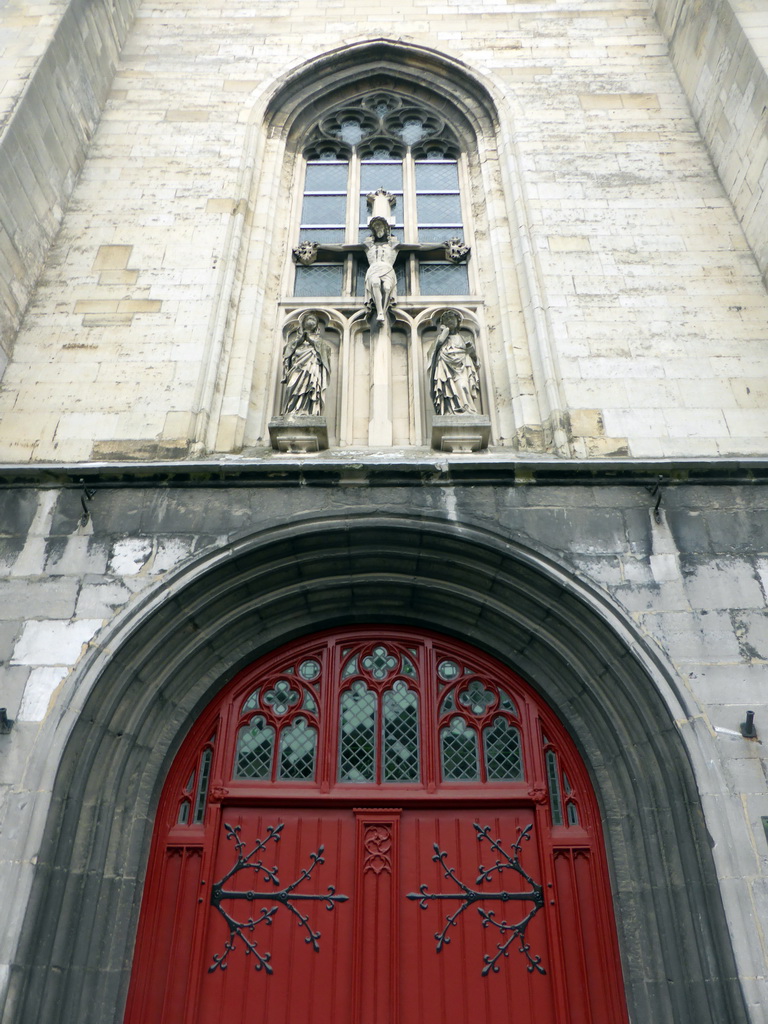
{"x": 380, "y": 710}
{"x": 382, "y": 245}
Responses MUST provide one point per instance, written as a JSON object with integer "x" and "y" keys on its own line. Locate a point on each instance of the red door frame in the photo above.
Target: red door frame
{"x": 170, "y": 965}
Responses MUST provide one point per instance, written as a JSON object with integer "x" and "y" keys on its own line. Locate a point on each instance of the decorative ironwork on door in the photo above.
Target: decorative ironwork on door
{"x": 468, "y": 897}
{"x": 285, "y": 896}
{"x": 366, "y": 770}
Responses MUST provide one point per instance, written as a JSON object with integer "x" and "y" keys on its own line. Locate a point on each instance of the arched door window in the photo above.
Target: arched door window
{"x": 377, "y": 826}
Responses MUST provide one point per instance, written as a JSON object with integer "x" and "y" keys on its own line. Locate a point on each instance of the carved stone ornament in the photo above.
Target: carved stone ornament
{"x": 298, "y": 435}
{"x": 306, "y": 369}
{"x": 455, "y": 250}
{"x": 305, "y": 253}
{"x": 454, "y": 380}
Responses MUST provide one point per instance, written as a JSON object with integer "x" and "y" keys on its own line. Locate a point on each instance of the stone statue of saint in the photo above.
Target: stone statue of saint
{"x": 380, "y": 281}
{"x": 306, "y": 370}
{"x": 453, "y": 368}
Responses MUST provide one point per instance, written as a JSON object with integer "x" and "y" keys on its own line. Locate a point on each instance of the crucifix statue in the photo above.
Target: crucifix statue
{"x": 382, "y": 250}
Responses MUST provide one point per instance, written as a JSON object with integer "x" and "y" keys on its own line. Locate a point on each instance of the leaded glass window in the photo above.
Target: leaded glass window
{"x": 357, "y": 734}
{"x": 503, "y": 756}
{"x": 382, "y": 142}
{"x": 458, "y": 749}
{"x": 255, "y": 747}
{"x": 400, "y": 714}
{"x": 298, "y": 744}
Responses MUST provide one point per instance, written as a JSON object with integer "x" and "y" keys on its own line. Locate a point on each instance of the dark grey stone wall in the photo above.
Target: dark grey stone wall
{"x": 119, "y": 632}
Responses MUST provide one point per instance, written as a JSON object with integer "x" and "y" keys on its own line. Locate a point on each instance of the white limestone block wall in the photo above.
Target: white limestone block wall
{"x": 647, "y": 298}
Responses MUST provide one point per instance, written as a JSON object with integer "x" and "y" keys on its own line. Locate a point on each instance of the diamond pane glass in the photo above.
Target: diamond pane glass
{"x": 309, "y": 703}
{"x": 458, "y": 751}
{"x": 351, "y": 131}
{"x": 324, "y": 210}
{"x": 448, "y": 670}
{"x": 434, "y": 176}
{"x": 503, "y": 756}
{"x": 506, "y": 702}
{"x": 477, "y": 697}
{"x": 380, "y": 663}
{"x": 400, "y": 712}
{"x": 408, "y": 667}
{"x": 382, "y": 174}
{"x": 350, "y": 668}
{"x": 412, "y": 131}
{"x": 253, "y": 701}
{"x": 312, "y": 234}
{"x": 281, "y": 697}
{"x": 555, "y": 798}
{"x": 202, "y": 785}
{"x": 309, "y": 669}
{"x": 439, "y": 234}
{"x": 326, "y": 177}
{"x": 449, "y": 703}
{"x": 443, "y": 279}
{"x": 438, "y": 209}
{"x": 255, "y": 743}
{"x": 357, "y": 744}
{"x": 318, "y": 280}
{"x": 298, "y": 745}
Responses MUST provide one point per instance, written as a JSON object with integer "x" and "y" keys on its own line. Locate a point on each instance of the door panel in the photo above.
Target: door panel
{"x": 377, "y": 826}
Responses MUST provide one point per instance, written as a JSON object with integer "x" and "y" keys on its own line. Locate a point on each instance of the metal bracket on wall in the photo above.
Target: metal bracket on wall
{"x": 748, "y": 730}
{"x": 87, "y": 495}
{"x": 655, "y": 492}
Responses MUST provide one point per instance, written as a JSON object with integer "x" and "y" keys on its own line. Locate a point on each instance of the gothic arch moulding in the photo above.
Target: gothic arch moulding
{"x": 171, "y": 658}
{"x": 243, "y": 364}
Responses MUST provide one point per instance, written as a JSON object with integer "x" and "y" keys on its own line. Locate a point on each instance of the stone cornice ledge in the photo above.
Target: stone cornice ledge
{"x": 393, "y": 469}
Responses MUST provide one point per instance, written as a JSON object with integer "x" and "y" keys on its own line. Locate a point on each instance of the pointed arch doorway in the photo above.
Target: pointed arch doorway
{"x": 377, "y": 825}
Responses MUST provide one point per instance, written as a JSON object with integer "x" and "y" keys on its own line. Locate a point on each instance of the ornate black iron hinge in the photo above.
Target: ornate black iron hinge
{"x": 469, "y": 897}
{"x": 285, "y": 896}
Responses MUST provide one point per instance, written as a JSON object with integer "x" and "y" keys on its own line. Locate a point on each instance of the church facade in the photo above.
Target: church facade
{"x": 383, "y": 523}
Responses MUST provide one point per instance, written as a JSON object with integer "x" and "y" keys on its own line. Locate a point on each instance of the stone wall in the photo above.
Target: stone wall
{"x": 57, "y": 68}
{"x": 720, "y": 51}
{"x": 634, "y": 316}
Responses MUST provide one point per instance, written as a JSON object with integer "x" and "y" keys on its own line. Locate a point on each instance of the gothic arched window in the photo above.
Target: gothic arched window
{"x": 388, "y": 145}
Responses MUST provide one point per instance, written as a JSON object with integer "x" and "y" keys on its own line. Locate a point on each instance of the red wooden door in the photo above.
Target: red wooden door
{"x": 376, "y": 826}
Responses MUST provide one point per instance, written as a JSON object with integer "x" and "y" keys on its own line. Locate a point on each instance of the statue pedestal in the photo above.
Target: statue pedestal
{"x": 461, "y": 432}
{"x": 298, "y": 433}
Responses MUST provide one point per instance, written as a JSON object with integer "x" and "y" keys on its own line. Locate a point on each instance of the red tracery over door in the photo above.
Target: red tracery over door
{"x": 377, "y": 826}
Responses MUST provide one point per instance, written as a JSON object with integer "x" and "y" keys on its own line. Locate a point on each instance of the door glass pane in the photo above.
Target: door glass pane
{"x": 503, "y": 757}
{"x": 400, "y": 710}
{"x": 298, "y": 744}
{"x": 255, "y": 742}
{"x": 357, "y": 734}
{"x": 458, "y": 751}
{"x": 555, "y": 796}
